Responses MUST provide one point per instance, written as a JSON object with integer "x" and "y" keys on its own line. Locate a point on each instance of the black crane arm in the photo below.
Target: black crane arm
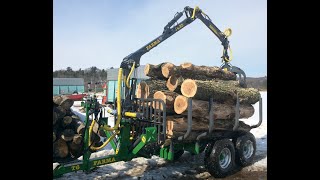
{"x": 168, "y": 31}
{"x": 171, "y": 28}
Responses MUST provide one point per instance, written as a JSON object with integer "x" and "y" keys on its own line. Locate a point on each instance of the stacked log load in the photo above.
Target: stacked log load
{"x": 175, "y": 84}
{"x": 68, "y": 131}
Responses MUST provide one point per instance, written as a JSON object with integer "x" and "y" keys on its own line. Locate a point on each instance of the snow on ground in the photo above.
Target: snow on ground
{"x": 187, "y": 167}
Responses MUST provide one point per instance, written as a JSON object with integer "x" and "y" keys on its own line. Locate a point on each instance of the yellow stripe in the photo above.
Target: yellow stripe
{"x": 130, "y": 114}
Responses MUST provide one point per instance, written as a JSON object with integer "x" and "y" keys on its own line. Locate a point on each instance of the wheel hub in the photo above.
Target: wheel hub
{"x": 247, "y": 149}
{"x": 224, "y": 158}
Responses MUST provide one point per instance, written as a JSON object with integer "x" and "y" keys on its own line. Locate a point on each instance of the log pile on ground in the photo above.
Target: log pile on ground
{"x": 175, "y": 84}
{"x": 68, "y": 131}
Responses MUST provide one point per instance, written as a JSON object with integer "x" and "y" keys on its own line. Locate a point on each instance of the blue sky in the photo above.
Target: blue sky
{"x": 102, "y": 32}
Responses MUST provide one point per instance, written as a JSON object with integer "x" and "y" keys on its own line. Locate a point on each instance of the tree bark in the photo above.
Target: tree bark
{"x": 154, "y": 71}
{"x": 152, "y": 86}
{"x": 77, "y": 125}
{"x": 63, "y": 101}
{"x": 69, "y": 112}
{"x": 221, "y": 91}
{"x": 60, "y": 112}
{"x": 168, "y": 97}
{"x": 60, "y": 149}
{"x": 75, "y": 149}
{"x": 200, "y": 109}
{"x": 179, "y": 125}
{"x": 189, "y": 70}
{"x": 55, "y": 118}
{"x": 66, "y": 103}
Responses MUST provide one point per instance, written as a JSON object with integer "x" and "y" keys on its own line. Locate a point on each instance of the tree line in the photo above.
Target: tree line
{"x": 91, "y": 75}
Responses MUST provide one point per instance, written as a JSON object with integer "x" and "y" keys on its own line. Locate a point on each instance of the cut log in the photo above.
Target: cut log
{"x": 168, "y": 97}
{"x": 60, "y": 111}
{"x": 221, "y": 91}
{"x": 66, "y": 121}
{"x": 200, "y": 125}
{"x": 77, "y": 138}
{"x": 200, "y": 109}
{"x": 69, "y": 112}
{"x": 60, "y": 149}
{"x": 55, "y": 118}
{"x": 75, "y": 149}
{"x": 152, "y": 86}
{"x": 77, "y": 125}
{"x": 180, "y": 124}
{"x": 67, "y": 135}
{"x": 57, "y": 100}
{"x": 174, "y": 82}
{"x": 189, "y": 70}
{"x": 167, "y": 69}
{"x": 154, "y": 71}
{"x": 142, "y": 90}
{"x": 66, "y": 102}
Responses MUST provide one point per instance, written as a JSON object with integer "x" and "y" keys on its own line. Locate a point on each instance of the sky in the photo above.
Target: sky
{"x": 101, "y": 33}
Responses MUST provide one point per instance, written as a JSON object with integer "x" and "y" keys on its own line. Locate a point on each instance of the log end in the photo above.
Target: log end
{"x": 172, "y": 83}
{"x": 77, "y": 139}
{"x": 142, "y": 90}
{"x": 67, "y": 120}
{"x": 186, "y": 65}
{"x": 80, "y": 129}
{"x": 67, "y": 135}
{"x": 60, "y": 149}
{"x": 189, "y": 88}
{"x": 167, "y": 69}
{"x": 159, "y": 95}
{"x": 146, "y": 69}
{"x": 180, "y": 104}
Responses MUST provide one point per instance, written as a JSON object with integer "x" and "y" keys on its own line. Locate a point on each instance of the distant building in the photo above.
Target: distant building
{"x": 112, "y": 80}
{"x": 68, "y": 85}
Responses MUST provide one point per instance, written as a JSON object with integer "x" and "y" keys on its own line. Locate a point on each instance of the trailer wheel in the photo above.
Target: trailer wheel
{"x": 219, "y": 158}
{"x": 178, "y": 154}
{"x": 245, "y": 149}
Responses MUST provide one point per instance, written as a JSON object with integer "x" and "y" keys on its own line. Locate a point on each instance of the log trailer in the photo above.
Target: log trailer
{"x": 140, "y": 130}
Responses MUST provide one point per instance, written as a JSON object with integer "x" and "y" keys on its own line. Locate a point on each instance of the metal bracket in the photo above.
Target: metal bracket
{"x": 260, "y": 114}
{"x": 236, "y": 118}
{"x": 211, "y": 117}
{"x": 236, "y": 70}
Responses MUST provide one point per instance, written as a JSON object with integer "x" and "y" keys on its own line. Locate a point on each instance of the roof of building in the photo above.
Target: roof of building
{"x": 112, "y": 74}
{"x": 68, "y": 81}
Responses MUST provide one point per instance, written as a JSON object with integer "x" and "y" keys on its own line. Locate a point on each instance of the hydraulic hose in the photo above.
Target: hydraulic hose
{"x": 128, "y": 78}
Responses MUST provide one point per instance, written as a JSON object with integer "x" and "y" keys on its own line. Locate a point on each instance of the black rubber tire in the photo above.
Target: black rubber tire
{"x": 178, "y": 154}
{"x": 212, "y": 158}
{"x": 240, "y": 148}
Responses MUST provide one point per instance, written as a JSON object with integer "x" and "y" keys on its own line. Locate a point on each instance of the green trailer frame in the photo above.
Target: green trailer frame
{"x": 123, "y": 153}
{"x": 126, "y": 149}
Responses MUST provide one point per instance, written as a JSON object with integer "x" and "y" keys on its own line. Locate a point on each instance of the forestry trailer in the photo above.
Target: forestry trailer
{"x": 140, "y": 130}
